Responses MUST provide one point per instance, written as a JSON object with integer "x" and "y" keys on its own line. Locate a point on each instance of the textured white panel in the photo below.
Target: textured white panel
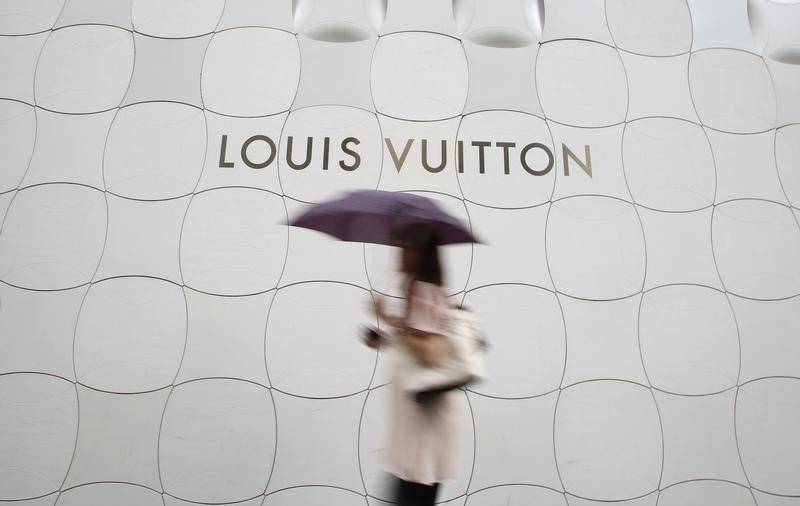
{"x": 383, "y": 261}
{"x": 402, "y": 167}
{"x": 315, "y": 495}
{"x": 581, "y": 83}
{"x": 514, "y": 251}
{"x": 756, "y": 245}
{"x": 607, "y": 329}
{"x": 112, "y": 426}
{"x": 344, "y": 67}
{"x": 18, "y": 56}
{"x": 746, "y": 166}
{"x": 37, "y": 330}
{"x": 130, "y": 335}
{"x": 522, "y": 168}
{"x": 419, "y": 76}
{"x": 583, "y": 261}
{"x": 501, "y": 24}
{"x": 701, "y": 493}
{"x": 764, "y": 499}
{"x": 217, "y": 441}
{"x": 225, "y": 337}
{"x": 228, "y": 137}
{"x": 5, "y": 202}
{"x": 596, "y": 148}
{"x": 122, "y": 494}
{"x": 608, "y": 440}
{"x": 18, "y": 125}
{"x": 234, "y": 241}
{"x": 42, "y": 501}
{"x": 658, "y": 86}
{"x": 425, "y": 15}
{"x": 69, "y": 148}
{"x": 669, "y": 164}
{"x": 330, "y": 363}
{"x": 689, "y": 340}
{"x": 52, "y": 236}
{"x": 143, "y": 238}
{"x": 787, "y": 154}
{"x": 774, "y": 25}
{"x": 678, "y": 248}
{"x": 517, "y": 495}
{"x": 528, "y": 357}
{"x": 107, "y": 12}
{"x": 173, "y": 137}
{"x": 250, "y": 72}
{"x": 146, "y": 144}
{"x": 650, "y": 28}
{"x": 84, "y": 69}
{"x": 720, "y": 23}
{"x": 732, "y": 91}
{"x": 267, "y": 13}
{"x": 171, "y": 501}
{"x": 177, "y": 18}
{"x": 648, "y": 500}
{"x": 766, "y": 423}
{"x": 502, "y": 78}
{"x": 332, "y": 260}
{"x": 786, "y": 80}
{"x": 325, "y": 20}
{"x": 317, "y": 442}
{"x": 576, "y": 19}
{"x": 523, "y": 451}
{"x": 699, "y": 438}
{"x": 167, "y": 69}
{"x": 18, "y": 17}
{"x": 768, "y": 333}
{"x": 39, "y": 426}
{"x": 318, "y": 170}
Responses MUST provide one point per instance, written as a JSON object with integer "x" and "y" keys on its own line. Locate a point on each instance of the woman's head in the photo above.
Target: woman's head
{"x": 420, "y": 254}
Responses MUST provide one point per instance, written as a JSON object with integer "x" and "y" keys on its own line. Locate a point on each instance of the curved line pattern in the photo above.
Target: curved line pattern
{"x": 370, "y": 288}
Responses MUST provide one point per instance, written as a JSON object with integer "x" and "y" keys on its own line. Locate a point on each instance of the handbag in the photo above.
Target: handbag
{"x": 463, "y": 364}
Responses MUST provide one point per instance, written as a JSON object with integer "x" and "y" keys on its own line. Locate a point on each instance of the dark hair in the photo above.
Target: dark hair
{"x": 421, "y": 239}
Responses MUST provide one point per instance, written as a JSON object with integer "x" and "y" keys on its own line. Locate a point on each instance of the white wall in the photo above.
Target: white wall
{"x": 165, "y": 340}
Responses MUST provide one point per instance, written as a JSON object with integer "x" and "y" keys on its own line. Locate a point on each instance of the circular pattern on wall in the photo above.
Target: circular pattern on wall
{"x": 130, "y": 335}
{"x": 84, "y": 68}
{"x": 332, "y": 363}
{"x": 689, "y": 340}
{"x": 234, "y": 241}
{"x": 217, "y": 441}
{"x": 155, "y": 151}
{"x": 595, "y": 248}
{"x": 756, "y": 245}
{"x": 53, "y": 236}
{"x": 581, "y": 83}
{"x": 40, "y": 423}
{"x": 668, "y": 164}
{"x": 766, "y": 428}
{"x": 732, "y": 91}
{"x": 419, "y": 76}
{"x": 266, "y": 84}
{"x": 608, "y": 440}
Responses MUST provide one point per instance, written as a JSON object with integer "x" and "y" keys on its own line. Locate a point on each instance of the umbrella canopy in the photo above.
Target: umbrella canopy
{"x": 374, "y": 216}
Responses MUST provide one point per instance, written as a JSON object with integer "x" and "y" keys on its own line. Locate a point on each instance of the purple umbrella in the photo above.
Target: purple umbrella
{"x": 373, "y": 216}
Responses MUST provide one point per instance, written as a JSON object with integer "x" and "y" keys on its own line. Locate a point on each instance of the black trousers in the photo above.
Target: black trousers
{"x": 408, "y": 493}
